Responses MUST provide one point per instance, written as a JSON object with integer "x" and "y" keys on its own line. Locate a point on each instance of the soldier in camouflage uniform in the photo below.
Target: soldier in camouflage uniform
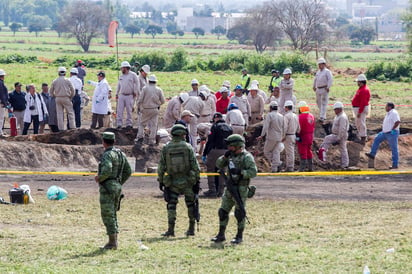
{"x": 241, "y": 168}
{"x": 114, "y": 170}
{"x": 178, "y": 160}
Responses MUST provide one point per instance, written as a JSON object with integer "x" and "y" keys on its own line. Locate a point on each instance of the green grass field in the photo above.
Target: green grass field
{"x": 287, "y": 236}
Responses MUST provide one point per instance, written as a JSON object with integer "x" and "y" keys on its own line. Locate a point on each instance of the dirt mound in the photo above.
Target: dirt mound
{"x": 80, "y": 136}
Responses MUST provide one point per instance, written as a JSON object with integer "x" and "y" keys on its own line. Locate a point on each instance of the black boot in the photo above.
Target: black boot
{"x": 302, "y": 165}
{"x": 191, "y": 230}
{"x": 220, "y": 237}
{"x": 112, "y": 244}
{"x": 239, "y": 237}
{"x": 170, "y": 231}
{"x": 310, "y": 164}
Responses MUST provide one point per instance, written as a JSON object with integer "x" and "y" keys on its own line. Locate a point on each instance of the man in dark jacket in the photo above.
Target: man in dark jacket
{"x": 17, "y": 99}
{"x": 216, "y": 147}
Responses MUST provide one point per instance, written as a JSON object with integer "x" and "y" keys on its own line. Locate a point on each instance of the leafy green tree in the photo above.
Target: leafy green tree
{"x": 132, "y": 29}
{"x": 364, "y": 34}
{"x": 239, "y": 32}
{"x": 14, "y": 27}
{"x": 153, "y": 30}
{"x": 85, "y": 20}
{"x": 198, "y": 32}
{"x": 177, "y": 33}
{"x": 59, "y": 28}
{"x": 38, "y": 23}
{"x": 219, "y": 31}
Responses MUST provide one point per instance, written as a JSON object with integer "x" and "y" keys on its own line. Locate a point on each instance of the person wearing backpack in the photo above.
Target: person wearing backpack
{"x": 178, "y": 173}
{"x": 215, "y": 147}
{"x": 114, "y": 170}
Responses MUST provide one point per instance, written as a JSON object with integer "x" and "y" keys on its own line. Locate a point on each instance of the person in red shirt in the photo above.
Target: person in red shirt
{"x": 305, "y": 136}
{"x": 223, "y": 101}
{"x": 360, "y": 105}
{"x": 226, "y": 84}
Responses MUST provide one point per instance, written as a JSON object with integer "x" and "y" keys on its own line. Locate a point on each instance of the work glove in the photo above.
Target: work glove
{"x": 89, "y": 82}
{"x": 235, "y": 171}
{"x": 204, "y": 158}
{"x": 228, "y": 153}
{"x": 394, "y": 131}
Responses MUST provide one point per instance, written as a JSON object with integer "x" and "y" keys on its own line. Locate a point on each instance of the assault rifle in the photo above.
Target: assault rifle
{"x": 196, "y": 208}
{"x": 233, "y": 188}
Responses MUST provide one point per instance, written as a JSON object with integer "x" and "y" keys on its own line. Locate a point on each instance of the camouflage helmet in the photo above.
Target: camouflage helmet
{"x": 178, "y": 130}
{"x": 235, "y": 140}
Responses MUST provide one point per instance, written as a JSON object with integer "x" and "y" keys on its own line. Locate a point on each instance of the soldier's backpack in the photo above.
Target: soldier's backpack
{"x": 177, "y": 160}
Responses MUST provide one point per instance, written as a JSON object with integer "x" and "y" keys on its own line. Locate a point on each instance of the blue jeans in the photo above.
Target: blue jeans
{"x": 393, "y": 143}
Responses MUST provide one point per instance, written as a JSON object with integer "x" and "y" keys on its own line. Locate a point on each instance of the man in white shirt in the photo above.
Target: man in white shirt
{"x": 321, "y": 85}
{"x": 390, "y": 132}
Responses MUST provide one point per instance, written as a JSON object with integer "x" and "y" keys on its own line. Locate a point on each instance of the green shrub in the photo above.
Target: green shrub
{"x": 156, "y": 59}
{"x": 393, "y": 71}
{"x": 17, "y": 58}
{"x": 178, "y": 61}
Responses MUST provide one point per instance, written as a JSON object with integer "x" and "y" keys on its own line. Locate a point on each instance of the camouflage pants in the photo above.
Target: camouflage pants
{"x": 108, "y": 205}
{"x": 173, "y": 200}
{"x": 228, "y": 202}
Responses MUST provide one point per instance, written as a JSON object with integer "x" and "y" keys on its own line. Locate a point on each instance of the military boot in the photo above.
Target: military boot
{"x": 170, "y": 231}
{"x": 302, "y": 165}
{"x": 191, "y": 230}
{"x": 239, "y": 237}
{"x": 220, "y": 237}
{"x": 310, "y": 164}
{"x": 112, "y": 244}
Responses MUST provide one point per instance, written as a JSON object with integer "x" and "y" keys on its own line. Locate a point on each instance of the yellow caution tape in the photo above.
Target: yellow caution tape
{"x": 263, "y": 174}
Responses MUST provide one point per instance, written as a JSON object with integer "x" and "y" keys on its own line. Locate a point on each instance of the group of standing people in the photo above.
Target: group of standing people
{"x": 65, "y": 98}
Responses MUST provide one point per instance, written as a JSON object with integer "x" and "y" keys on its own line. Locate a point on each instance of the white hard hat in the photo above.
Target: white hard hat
{"x": 254, "y": 82}
{"x": 361, "y": 77}
{"x": 125, "y": 64}
{"x": 195, "y": 82}
{"x": 203, "y": 93}
{"x": 152, "y": 78}
{"x": 204, "y": 88}
{"x": 226, "y": 83}
{"x": 61, "y": 69}
{"x": 2, "y": 72}
{"x": 289, "y": 103}
{"x": 253, "y": 87}
{"x": 224, "y": 89}
{"x": 302, "y": 104}
{"x": 184, "y": 96}
{"x": 338, "y": 105}
{"x": 321, "y": 60}
{"x": 273, "y": 104}
{"x": 146, "y": 68}
{"x": 74, "y": 70}
{"x": 287, "y": 71}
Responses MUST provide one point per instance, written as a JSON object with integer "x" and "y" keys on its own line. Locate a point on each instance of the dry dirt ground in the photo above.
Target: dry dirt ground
{"x": 80, "y": 149}
{"x": 353, "y": 188}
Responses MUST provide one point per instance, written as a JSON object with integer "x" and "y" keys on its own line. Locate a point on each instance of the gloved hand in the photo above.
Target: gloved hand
{"x": 235, "y": 171}
{"x": 204, "y": 158}
{"x": 394, "y": 131}
{"x": 228, "y": 153}
{"x": 89, "y": 82}
{"x": 11, "y": 114}
{"x": 196, "y": 188}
